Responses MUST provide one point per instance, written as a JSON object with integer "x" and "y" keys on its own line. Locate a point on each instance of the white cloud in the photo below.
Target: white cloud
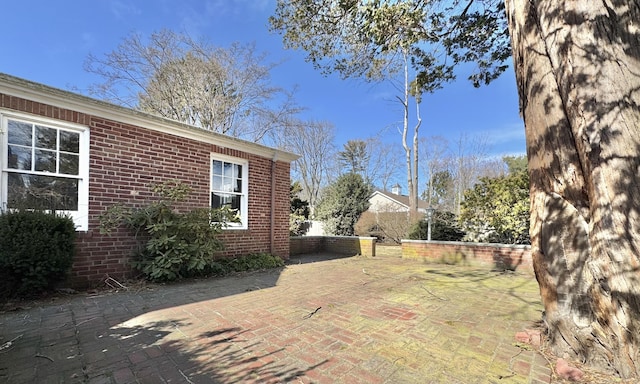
{"x": 506, "y": 134}
{"x": 236, "y": 7}
{"x": 88, "y": 40}
{"x": 196, "y": 17}
{"x": 122, "y": 10}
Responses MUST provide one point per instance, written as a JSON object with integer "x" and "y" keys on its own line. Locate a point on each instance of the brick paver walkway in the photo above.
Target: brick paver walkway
{"x": 319, "y": 320}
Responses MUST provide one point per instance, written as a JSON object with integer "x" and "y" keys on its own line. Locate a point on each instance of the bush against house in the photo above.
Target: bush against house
{"x": 342, "y": 204}
{"x": 36, "y": 251}
{"x": 177, "y": 244}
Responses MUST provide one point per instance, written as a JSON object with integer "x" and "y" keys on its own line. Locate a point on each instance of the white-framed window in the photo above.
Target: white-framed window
{"x": 45, "y": 165}
{"x": 229, "y": 187}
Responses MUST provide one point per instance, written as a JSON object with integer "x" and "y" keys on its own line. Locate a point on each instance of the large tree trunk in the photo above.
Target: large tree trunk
{"x": 578, "y": 73}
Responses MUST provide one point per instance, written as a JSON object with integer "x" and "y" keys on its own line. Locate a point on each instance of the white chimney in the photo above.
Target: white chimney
{"x": 396, "y": 189}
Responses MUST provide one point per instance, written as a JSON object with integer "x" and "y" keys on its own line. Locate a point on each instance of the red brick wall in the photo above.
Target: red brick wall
{"x": 349, "y": 245}
{"x": 124, "y": 159}
{"x": 344, "y": 245}
{"x": 301, "y": 245}
{"x": 497, "y": 256}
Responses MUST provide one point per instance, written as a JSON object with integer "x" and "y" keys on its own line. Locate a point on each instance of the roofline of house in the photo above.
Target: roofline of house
{"x": 389, "y": 197}
{"x": 15, "y": 86}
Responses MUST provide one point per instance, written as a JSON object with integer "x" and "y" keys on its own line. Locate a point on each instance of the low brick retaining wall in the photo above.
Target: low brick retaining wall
{"x": 497, "y": 256}
{"x": 343, "y": 245}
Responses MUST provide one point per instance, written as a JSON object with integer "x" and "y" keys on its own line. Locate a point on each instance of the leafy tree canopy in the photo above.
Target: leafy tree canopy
{"x": 362, "y": 38}
{"x": 342, "y": 204}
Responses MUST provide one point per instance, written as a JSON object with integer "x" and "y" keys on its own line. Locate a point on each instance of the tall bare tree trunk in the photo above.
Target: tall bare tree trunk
{"x": 413, "y": 194}
{"x": 412, "y": 166}
{"x": 578, "y": 73}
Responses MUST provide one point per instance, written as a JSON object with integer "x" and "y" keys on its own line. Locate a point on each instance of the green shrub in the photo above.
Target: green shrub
{"x": 444, "y": 227}
{"x": 252, "y": 262}
{"x": 36, "y": 251}
{"x": 299, "y": 216}
{"x": 178, "y": 244}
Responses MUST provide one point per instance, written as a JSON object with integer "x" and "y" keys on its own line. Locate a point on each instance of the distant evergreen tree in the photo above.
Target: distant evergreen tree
{"x": 299, "y": 211}
{"x": 515, "y": 164}
{"x": 342, "y": 204}
{"x": 355, "y": 156}
{"x": 444, "y": 227}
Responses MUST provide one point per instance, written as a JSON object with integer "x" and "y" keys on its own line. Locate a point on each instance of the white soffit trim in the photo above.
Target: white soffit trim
{"x": 44, "y": 94}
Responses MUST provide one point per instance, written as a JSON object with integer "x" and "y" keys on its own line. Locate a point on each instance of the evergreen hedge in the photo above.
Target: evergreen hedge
{"x": 36, "y": 251}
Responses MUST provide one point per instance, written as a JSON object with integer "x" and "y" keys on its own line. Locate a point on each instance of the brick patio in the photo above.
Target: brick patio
{"x": 322, "y": 319}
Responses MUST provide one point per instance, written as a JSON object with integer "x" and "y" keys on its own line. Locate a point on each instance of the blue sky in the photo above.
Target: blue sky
{"x": 48, "y": 42}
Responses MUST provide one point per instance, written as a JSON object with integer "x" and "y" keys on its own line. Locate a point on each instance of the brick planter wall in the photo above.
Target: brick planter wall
{"x": 343, "y": 245}
{"x": 496, "y": 256}
{"x": 301, "y": 245}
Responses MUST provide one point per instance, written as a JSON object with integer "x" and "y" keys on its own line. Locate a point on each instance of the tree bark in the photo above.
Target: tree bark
{"x": 578, "y": 73}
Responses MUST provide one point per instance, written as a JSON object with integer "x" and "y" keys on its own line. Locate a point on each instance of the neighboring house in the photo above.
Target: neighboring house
{"x": 394, "y": 201}
{"x": 94, "y": 154}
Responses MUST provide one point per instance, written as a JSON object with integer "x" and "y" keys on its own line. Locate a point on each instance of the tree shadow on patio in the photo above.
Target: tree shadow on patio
{"x": 170, "y": 350}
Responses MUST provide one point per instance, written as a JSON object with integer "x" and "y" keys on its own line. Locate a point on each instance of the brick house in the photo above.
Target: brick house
{"x": 95, "y": 154}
